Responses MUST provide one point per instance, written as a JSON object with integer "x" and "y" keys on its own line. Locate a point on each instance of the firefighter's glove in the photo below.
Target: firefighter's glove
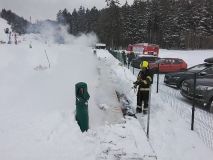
{"x": 135, "y": 84}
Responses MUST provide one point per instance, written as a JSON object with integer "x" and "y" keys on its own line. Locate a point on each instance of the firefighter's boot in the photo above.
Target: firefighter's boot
{"x": 138, "y": 109}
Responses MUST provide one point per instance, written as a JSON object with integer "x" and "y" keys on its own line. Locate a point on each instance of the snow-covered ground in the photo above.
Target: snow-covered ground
{"x": 171, "y": 115}
{"x": 3, "y": 37}
{"x": 192, "y": 57}
{"x": 37, "y": 104}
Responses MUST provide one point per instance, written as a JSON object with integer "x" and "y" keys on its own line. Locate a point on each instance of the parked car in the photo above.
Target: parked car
{"x": 203, "y": 91}
{"x": 137, "y": 61}
{"x": 201, "y": 70}
{"x": 167, "y": 65}
{"x": 209, "y": 60}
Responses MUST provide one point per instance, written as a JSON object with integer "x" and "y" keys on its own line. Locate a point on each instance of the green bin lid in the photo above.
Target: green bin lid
{"x": 82, "y": 85}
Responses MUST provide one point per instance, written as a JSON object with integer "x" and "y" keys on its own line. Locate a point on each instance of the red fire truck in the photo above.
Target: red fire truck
{"x": 144, "y": 49}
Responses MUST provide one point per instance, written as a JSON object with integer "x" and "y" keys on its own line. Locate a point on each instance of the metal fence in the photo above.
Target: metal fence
{"x": 117, "y": 55}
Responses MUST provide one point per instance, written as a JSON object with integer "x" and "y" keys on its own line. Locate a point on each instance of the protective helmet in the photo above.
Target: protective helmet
{"x": 144, "y": 64}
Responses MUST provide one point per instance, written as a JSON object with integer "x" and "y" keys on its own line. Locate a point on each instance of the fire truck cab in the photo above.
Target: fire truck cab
{"x": 144, "y": 49}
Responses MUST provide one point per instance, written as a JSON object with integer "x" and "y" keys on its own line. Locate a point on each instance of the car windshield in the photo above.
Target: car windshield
{"x": 197, "y": 68}
{"x": 150, "y": 59}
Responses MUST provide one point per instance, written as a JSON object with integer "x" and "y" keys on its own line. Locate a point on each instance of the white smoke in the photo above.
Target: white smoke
{"x": 51, "y": 32}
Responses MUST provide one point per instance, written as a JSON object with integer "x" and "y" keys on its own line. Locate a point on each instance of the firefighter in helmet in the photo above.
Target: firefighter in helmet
{"x": 144, "y": 81}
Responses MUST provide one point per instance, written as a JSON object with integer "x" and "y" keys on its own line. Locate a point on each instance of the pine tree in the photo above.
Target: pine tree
{"x": 125, "y": 13}
{"x": 91, "y": 19}
{"x": 141, "y": 22}
{"x": 74, "y": 24}
{"x": 81, "y": 20}
{"x": 18, "y": 24}
{"x": 109, "y": 25}
{"x": 154, "y": 23}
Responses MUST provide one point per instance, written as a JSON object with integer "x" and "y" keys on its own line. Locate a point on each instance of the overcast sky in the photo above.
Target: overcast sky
{"x": 47, "y": 9}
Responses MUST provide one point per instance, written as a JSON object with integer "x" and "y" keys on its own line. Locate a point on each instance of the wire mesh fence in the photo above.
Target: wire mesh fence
{"x": 203, "y": 124}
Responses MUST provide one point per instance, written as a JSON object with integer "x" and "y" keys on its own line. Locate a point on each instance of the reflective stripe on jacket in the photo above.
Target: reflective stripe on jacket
{"x": 144, "y": 89}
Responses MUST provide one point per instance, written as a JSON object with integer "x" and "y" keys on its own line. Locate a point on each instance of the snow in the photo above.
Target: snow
{"x": 175, "y": 135}
{"x": 192, "y": 57}
{"x": 3, "y": 37}
{"x": 37, "y": 103}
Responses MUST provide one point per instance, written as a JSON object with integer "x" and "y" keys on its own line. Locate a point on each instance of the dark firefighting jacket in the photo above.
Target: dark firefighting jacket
{"x": 144, "y": 80}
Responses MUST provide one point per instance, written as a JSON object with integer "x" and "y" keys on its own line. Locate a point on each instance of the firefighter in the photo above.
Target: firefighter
{"x": 124, "y": 58}
{"x": 130, "y": 57}
{"x": 144, "y": 81}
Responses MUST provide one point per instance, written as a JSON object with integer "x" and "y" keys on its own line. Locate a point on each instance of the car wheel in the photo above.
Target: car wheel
{"x": 211, "y": 106}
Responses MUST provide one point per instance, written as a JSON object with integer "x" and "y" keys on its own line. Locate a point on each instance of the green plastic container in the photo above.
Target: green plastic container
{"x": 82, "y": 97}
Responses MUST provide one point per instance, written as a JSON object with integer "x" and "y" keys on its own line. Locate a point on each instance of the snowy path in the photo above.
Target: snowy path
{"x": 123, "y": 141}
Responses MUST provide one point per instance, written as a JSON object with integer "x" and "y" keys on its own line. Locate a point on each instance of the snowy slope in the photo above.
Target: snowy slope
{"x": 3, "y": 25}
{"x": 38, "y": 103}
{"x": 37, "y": 118}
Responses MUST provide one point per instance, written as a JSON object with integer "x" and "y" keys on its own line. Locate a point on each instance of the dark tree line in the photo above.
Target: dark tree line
{"x": 18, "y": 24}
{"x": 22, "y": 26}
{"x": 178, "y": 24}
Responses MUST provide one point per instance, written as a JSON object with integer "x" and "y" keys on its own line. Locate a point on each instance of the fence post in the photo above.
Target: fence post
{"x": 149, "y": 109}
{"x": 133, "y": 70}
{"x": 193, "y": 106}
{"x": 158, "y": 78}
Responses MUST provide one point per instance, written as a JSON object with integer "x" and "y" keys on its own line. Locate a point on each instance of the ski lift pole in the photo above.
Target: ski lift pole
{"x": 47, "y": 57}
{"x": 149, "y": 109}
